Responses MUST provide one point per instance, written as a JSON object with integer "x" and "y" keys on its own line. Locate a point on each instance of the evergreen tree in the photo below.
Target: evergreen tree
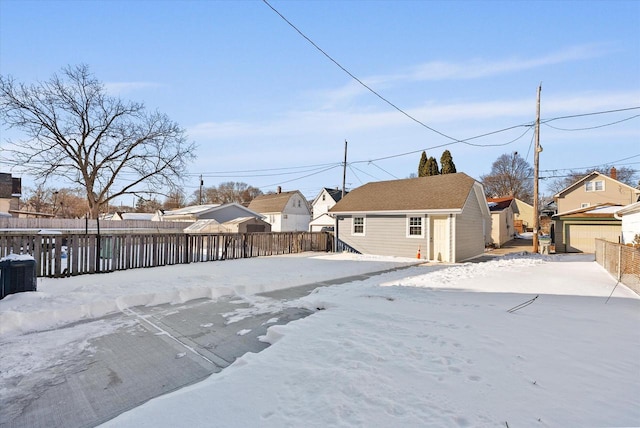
{"x": 446, "y": 162}
{"x": 432, "y": 166}
{"x": 422, "y": 166}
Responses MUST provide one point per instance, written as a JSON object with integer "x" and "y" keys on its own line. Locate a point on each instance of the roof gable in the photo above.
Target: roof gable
{"x": 499, "y": 204}
{"x": 437, "y": 192}
{"x": 588, "y": 177}
{"x": 274, "y": 202}
{"x": 335, "y": 194}
{"x": 606, "y": 209}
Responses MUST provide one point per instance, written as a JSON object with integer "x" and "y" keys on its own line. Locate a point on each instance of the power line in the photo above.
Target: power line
{"x": 592, "y": 127}
{"x": 616, "y": 162}
{"x": 590, "y": 114}
{"x": 356, "y": 78}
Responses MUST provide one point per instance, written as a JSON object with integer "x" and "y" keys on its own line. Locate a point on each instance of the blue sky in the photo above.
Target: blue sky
{"x": 267, "y": 108}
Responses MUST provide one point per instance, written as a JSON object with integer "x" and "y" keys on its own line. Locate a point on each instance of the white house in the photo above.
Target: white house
{"x": 630, "y": 216}
{"x": 320, "y": 206}
{"x": 284, "y": 211}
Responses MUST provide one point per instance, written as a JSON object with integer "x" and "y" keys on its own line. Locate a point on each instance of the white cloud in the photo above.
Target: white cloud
{"x": 450, "y": 116}
{"x": 472, "y": 69}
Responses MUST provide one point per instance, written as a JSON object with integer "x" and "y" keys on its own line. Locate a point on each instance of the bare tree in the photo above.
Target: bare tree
{"x": 228, "y": 192}
{"x": 77, "y": 132}
{"x": 510, "y": 175}
{"x": 63, "y": 203}
{"x": 624, "y": 175}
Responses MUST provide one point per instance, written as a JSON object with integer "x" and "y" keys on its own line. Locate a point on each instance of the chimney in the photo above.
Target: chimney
{"x": 279, "y": 189}
{"x": 614, "y": 173}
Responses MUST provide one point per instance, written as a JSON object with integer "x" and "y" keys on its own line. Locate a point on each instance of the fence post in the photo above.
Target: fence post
{"x": 619, "y": 262}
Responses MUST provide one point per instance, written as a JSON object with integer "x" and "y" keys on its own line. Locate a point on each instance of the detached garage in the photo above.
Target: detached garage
{"x": 576, "y": 231}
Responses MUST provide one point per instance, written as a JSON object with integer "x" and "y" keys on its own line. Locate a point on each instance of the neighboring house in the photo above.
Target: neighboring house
{"x": 576, "y": 231}
{"x": 502, "y": 215}
{"x": 238, "y": 225}
{"x": 522, "y": 216}
{"x": 10, "y": 192}
{"x": 320, "y": 206}
{"x": 220, "y": 212}
{"x": 284, "y": 211}
{"x": 595, "y": 189}
{"x": 132, "y": 216}
{"x": 444, "y": 217}
{"x": 630, "y": 217}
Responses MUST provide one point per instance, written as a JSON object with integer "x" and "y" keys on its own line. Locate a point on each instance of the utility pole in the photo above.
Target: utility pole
{"x": 536, "y": 167}
{"x": 344, "y": 168}
{"x": 201, "y": 184}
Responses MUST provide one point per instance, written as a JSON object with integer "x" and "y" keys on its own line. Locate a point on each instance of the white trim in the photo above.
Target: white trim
{"x": 408, "y": 227}
{"x": 591, "y": 186}
{"x": 396, "y": 212}
{"x": 364, "y": 225}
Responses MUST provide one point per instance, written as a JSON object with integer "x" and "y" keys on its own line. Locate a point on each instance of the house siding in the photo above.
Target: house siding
{"x": 469, "y": 241}
{"x": 524, "y": 213}
{"x": 630, "y": 227}
{"x": 384, "y": 235}
{"x": 614, "y": 192}
{"x": 502, "y": 229}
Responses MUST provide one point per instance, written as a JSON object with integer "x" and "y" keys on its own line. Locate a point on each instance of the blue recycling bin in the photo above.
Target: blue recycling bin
{"x": 17, "y": 275}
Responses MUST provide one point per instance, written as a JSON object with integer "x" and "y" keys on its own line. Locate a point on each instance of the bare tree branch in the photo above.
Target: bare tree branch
{"x": 109, "y": 147}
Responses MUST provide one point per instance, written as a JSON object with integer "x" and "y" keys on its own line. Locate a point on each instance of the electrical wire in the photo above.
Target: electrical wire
{"x": 591, "y": 127}
{"x": 383, "y": 170}
{"x": 341, "y": 67}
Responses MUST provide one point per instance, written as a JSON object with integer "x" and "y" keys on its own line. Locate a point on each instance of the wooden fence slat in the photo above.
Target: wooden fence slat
{"x": 112, "y": 251}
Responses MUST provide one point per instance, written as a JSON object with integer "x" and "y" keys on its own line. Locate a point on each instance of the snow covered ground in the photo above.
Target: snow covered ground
{"x": 438, "y": 347}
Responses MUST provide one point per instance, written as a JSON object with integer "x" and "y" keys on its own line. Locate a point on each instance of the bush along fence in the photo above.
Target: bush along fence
{"x": 621, "y": 261}
{"x": 69, "y": 254}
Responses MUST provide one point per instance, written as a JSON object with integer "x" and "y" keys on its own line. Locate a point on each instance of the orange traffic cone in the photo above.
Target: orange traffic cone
{"x": 418, "y": 253}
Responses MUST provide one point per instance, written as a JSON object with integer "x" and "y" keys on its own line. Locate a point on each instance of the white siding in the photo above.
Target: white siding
{"x": 630, "y": 227}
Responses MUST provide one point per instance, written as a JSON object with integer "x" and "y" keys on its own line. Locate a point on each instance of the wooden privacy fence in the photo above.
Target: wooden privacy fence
{"x": 69, "y": 254}
{"x": 621, "y": 261}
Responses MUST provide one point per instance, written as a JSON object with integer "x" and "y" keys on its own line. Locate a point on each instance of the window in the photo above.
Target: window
{"x": 324, "y": 197}
{"x": 414, "y": 227}
{"x": 594, "y": 186}
{"x": 585, "y": 205}
{"x": 358, "y": 226}
{"x": 298, "y": 203}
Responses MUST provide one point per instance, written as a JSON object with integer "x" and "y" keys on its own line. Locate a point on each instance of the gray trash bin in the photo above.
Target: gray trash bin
{"x": 17, "y": 275}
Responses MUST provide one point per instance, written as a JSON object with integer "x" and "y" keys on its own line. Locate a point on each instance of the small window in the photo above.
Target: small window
{"x": 594, "y": 186}
{"x": 358, "y": 225}
{"x": 414, "y": 227}
{"x": 585, "y": 205}
{"x": 324, "y": 197}
{"x": 298, "y": 203}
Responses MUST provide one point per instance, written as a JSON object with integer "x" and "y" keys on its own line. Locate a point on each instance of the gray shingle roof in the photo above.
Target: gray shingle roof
{"x": 438, "y": 192}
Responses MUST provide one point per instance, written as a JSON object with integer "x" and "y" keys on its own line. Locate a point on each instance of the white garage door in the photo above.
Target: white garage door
{"x": 581, "y": 237}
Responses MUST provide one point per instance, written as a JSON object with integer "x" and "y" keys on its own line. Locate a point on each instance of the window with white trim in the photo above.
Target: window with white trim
{"x": 594, "y": 186}
{"x": 358, "y": 226}
{"x": 585, "y": 205}
{"x": 415, "y": 227}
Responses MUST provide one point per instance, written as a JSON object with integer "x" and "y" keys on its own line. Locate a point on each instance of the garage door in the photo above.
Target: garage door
{"x": 581, "y": 237}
